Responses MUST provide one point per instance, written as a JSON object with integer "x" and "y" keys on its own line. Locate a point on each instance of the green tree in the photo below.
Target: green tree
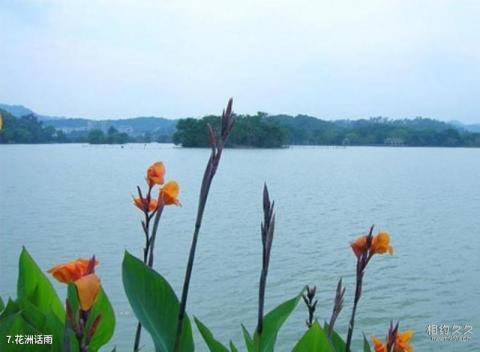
{"x": 96, "y": 136}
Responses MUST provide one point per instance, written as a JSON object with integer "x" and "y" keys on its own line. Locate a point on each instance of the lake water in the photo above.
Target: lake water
{"x": 65, "y": 201}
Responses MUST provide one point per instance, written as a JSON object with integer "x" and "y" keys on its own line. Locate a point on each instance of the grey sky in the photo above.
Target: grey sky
{"x": 331, "y": 59}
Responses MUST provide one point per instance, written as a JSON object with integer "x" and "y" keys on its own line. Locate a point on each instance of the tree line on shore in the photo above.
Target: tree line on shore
{"x": 257, "y": 131}
{"x": 264, "y": 131}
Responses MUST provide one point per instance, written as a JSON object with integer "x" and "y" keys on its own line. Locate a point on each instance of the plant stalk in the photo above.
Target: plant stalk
{"x": 148, "y": 250}
{"x": 210, "y": 170}
{"x": 362, "y": 262}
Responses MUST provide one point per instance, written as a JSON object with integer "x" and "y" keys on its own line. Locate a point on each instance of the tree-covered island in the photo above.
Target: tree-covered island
{"x": 265, "y": 131}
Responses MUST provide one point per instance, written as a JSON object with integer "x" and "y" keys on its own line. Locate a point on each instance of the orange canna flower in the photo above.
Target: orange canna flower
{"x": 169, "y": 193}
{"x": 141, "y": 203}
{"x": 358, "y": 245}
{"x": 155, "y": 174}
{"x": 378, "y": 345}
{"x": 81, "y": 273}
{"x": 380, "y": 244}
{"x": 88, "y": 288}
{"x": 402, "y": 342}
{"x": 71, "y": 271}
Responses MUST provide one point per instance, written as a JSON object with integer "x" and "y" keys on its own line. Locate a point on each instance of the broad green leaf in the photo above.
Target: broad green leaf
{"x": 232, "y": 347}
{"x": 72, "y": 297}
{"x": 155, "y": 305}
{"x": 34, "y": 286}
{"x": 47, "y": 324}
{"x": 248, "y": 339}
{"x": 366, "y": 345}
{"x": 12, "y": 325}
{"x": 73, "y": 300}
{"x": 2, "y": 305}
{"x": 106, "y": 327}
{"x": 336, "y": 340}
{"x": 272, "y": 322}
{"x": 11, "y": 308}
{"x": 31, "y": 313}
{"x": 102, "y": 306}
{"x": 314, "y": 340}
{"x": 23, "y": 318}
{"x": 213, "y": 344}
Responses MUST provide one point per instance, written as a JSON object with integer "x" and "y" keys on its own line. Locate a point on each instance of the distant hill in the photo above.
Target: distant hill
{"x": 158, "y": 128}
{"x": 16, "y": 110}
{"x": 20, "y": 110}
{"x": 475, "y": 127}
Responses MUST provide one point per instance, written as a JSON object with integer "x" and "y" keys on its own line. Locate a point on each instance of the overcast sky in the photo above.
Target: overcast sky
{"x": 331, "y": 59}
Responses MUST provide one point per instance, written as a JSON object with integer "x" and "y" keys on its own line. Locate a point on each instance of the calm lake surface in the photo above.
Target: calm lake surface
{"x": 66, "y": 201}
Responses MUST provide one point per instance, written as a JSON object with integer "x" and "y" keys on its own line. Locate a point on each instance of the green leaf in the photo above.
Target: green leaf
{"x": 248, "y": 339}
{"x": 213, "y": 344}
{"x": 34, "y": 286}
{"x": 106, "y": 327}
{"x": 11, "y": 308}
{"x": 102, "y": 306}
{"x": 32, "y": 314}
{"x": 12, "y": 325}
{"x": 272, "y": 322}
{"x": 73, "y": 300}
{"x": 314, "y": 340}
{"x": 155, "y": 305}
{"x": 233, "y": 348}
{"x": 72, "y": 297}
{"x": 366, "y": 345}
{"x": 336, "y": 339}
{"x": 23, "y": 318}
{"x": 2, "y": 305}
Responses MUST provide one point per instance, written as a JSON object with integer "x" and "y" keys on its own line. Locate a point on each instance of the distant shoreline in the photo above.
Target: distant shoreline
{"x": 336, "y": 146}
{"x": 260, "y": 131}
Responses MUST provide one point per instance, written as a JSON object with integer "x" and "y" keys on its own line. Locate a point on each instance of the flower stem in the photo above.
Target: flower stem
{"x": 267, "y": 229}
{"x": 358, "y": 293}
{"x": 362, "y": 262}
{"x": 210, "y": 170}
{"x": 154, "y": 232}
{"x": 191, "y": 258}
{"x": 148, "y": 250}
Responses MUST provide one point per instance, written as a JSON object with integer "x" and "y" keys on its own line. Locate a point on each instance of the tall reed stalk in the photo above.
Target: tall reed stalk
{"x": 217, "y": 145}
{"x": 337, "y": 306}
{"x": 267, "y": 228}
